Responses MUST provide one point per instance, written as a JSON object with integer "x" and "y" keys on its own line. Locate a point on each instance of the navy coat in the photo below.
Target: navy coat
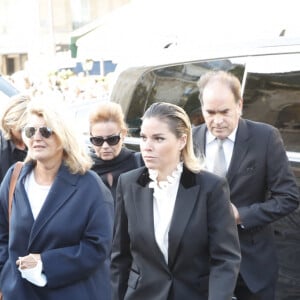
{"x": 72, "y": 232}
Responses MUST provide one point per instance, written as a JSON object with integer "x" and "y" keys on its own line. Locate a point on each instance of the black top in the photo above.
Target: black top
{"x": 110, "y": 170}
{"x": 9, "y": 155}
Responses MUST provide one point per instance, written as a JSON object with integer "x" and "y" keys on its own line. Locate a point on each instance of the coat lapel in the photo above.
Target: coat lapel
{"x": 61, "y": 191}
{"x": 21, "y": 210}
{"x": 143, "y": 202}
{"x": 241, "y": 146}
{"x": 185, "y": 203}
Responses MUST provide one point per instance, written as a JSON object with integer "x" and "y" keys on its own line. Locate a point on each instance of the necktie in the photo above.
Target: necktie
{"x": 220, "y": 161}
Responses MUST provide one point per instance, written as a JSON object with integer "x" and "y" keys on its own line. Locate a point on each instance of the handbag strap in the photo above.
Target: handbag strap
{"x": 12, "y": 185}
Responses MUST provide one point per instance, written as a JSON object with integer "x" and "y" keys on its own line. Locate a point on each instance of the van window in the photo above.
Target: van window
{"x": 272, "y": 95}
{"x": 271, "y": 91}
{"x": 175, "y": 84}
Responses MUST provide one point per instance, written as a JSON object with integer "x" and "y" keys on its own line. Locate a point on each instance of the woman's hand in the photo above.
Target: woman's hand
{"x": 29, "y": 261}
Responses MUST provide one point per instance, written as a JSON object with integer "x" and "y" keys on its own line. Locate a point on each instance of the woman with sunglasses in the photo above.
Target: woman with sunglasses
{"x": 175, "y": 234}
{"x": 56, "y": 245}
{"x": 107, "y": 132}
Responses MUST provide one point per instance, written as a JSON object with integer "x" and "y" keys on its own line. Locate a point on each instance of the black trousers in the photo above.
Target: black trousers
{"x": 242, "y": 292}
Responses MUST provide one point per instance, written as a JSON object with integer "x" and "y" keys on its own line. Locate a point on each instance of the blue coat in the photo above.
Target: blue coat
{"x": 72, "y": 232}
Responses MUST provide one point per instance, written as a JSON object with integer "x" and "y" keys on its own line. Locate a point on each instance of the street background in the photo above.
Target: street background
{"x": 75, "y": 49}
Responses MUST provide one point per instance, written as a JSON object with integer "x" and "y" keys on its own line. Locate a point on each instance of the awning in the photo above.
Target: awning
{"x": 78, "y": 33}
{"x": 130, "y": 30}
{"x": 145, "y": 27}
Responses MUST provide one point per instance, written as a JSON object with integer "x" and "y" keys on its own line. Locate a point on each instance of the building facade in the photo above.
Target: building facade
{"x": 33, "y": 31}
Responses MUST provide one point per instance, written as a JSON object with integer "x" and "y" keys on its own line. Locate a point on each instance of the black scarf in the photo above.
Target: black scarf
{"x": 124, "y": 162}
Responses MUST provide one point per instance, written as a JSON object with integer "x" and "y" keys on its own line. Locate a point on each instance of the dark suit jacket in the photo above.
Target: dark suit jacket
{"x": 204, "y": 254}
{"x": 263, "y": 188}
{"x": 73, "y": 233}
{"x": 9, "y": 155}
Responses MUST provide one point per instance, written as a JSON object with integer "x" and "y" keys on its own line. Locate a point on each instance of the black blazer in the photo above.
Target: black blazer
{"x": 263, "y": 188}
{"x": 204, "y": 254}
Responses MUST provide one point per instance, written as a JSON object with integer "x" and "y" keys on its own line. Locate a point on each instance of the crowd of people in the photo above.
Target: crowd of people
{"x": 187, "y": 217}
{"x": 65, "y": 85}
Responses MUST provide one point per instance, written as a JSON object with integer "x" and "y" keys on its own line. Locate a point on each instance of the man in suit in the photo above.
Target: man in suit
{"x": 262, "y": 186}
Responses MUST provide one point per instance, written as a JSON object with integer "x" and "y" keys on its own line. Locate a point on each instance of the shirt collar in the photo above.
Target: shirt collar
{"x": 210, "y": 137}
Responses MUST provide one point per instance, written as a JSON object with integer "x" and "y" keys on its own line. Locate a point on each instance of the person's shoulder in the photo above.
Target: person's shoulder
{"x": 136, "y": 176}
{"x": 87, "y": 178}
{"x": 138, "y": 159}
{"x": 135, "y": 173}
{"x": 205, "y": 179}
{"x": 261, "y": 126}
{"x": 259, "y": 131}
{"x": 208, "y": 182}
{"x": 91, "y": 182}
{"x": 207, "y": 176}
{"x": 134, "y": 156}
{"x": 91, "y": 174}
{"x": 198, "y": 128}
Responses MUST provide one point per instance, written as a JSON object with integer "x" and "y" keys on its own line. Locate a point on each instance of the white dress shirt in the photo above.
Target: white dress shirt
{"x": 37, "y": 193}
{"x": 212, "y": 147}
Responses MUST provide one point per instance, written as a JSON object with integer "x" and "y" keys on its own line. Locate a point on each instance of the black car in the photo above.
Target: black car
{"x": 270, "y": 76}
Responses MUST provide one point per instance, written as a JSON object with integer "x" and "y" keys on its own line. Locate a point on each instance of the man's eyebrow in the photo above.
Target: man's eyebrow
{"x": 222, "y": 111}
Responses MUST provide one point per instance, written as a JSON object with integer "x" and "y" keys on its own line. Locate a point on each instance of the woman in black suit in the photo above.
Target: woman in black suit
{"x": 175, "y": 234}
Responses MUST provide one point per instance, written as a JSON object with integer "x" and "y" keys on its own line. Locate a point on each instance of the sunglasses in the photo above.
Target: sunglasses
{"x": 111, "y": 141}
{"x": 44, "y": 131}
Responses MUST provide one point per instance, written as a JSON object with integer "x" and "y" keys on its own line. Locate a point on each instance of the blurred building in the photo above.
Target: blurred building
{"x": 93, "y": 35}
{"x": 35, "y": 34}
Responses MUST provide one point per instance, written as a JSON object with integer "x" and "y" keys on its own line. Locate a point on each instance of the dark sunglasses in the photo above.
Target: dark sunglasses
{"x": 111, "y": 141}
{"x": 44, "y": 131}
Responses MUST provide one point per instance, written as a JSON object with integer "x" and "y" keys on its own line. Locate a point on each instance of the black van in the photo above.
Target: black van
{"x": 270, "y": 76}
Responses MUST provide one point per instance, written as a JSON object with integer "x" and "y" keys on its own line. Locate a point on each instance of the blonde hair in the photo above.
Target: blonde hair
{"x": 13, "y": 114}
{"x": 179, "y": 123}
{"x": 75, "y": 156}
{"x": 108, "y": 112}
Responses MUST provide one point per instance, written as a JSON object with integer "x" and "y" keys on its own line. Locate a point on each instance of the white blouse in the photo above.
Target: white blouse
{"x": 164, "y": 197}
{"x": 37, "y": 195}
